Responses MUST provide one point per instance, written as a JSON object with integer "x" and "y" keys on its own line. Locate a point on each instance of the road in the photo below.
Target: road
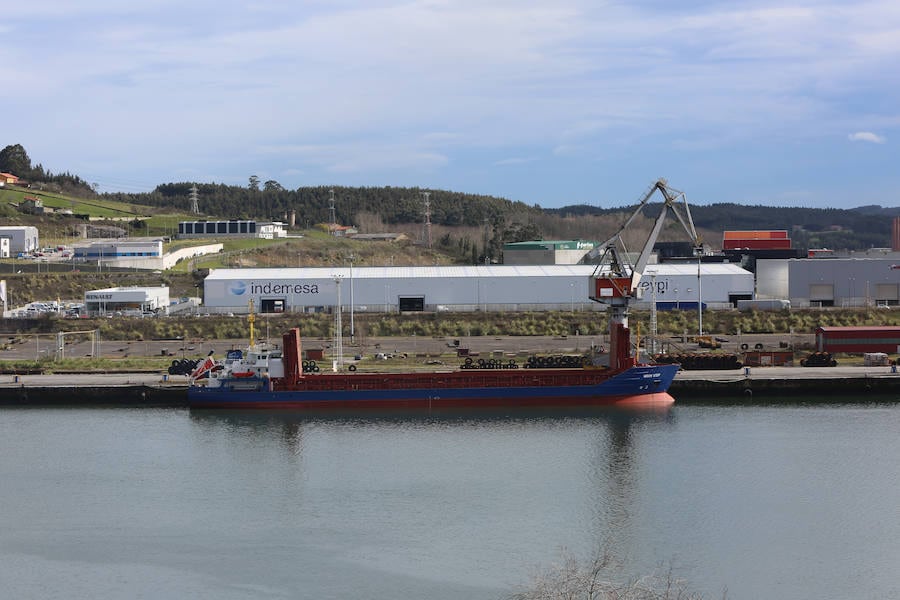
{"x": 32, "y": 347}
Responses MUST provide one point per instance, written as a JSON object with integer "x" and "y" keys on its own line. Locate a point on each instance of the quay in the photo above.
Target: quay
{"x": 756, "y": 384}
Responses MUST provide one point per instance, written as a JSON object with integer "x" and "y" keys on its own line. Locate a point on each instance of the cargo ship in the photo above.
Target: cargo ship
{"x": 275, "y": 379}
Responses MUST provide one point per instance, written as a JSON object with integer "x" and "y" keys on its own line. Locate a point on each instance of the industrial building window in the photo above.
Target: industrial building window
{"x": 232, "y": 227}
{"x": 252, "y": 227}
{"x": 210, "y": 228}
{"x": 412, "y": 303}
{"x": 271, "y": 305}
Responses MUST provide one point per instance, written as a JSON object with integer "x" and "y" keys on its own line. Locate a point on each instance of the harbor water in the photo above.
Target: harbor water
{"x": 797, "y": 501}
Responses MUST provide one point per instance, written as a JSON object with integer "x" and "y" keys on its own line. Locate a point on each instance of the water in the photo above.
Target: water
{"x": 766, "y": 502}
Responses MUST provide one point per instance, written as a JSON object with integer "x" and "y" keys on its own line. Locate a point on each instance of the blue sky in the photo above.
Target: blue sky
{"x": 791, "y": 103}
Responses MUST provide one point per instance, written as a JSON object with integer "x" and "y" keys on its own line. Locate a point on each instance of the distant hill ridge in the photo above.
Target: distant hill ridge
{"x": 858, "y": 228}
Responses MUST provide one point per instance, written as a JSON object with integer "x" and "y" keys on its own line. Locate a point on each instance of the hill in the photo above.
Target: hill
{"x": 465, "y": 228}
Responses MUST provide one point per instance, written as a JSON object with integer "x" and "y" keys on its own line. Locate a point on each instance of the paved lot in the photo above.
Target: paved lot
{"x": 31, "y": 347}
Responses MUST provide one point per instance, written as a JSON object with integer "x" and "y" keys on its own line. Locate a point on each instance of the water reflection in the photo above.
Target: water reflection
{"x": 288, "y": 426}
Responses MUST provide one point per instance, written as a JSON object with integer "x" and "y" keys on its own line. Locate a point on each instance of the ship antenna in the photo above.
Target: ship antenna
{"x": 250, "y": 319}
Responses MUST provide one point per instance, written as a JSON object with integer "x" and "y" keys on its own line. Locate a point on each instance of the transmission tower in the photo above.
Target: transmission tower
{"x": 331, "y": 209}
{"x": 195, "y": 206}
{"x": 487, "y": 259}
{"x": 427, "y": 219}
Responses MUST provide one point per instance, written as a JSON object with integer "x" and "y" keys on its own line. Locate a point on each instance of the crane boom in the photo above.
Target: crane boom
{"x": 615, "y": 276}
{"x": 615, "y": 280}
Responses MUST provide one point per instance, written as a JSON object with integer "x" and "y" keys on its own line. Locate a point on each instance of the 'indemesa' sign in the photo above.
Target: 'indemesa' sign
{"x": 284, "y": 288}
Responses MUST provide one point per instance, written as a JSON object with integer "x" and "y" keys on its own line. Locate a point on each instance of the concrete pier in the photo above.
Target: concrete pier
{"x": 756, "y": 384}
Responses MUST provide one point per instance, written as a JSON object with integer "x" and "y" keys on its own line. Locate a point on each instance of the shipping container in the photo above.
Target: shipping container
{"x": 858, "y": 339}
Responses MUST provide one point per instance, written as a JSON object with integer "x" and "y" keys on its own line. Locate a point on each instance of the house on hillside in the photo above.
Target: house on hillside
{"x": 342, "y": 230}
{"x": 32, "y": 205}
{"x": 8, "y": 178}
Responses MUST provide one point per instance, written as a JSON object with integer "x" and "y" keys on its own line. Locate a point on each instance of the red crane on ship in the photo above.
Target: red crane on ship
{"x": 616, "y": 278}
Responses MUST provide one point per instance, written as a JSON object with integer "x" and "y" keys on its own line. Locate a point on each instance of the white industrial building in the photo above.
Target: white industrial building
{"x": 127, "y": 301}
{"x": 825, "y": 282}
{"x": 458, "y": 288}
{"x": 115, "y": 249}
{"x": 23, "y": 238}
{"x": 234, "y": 228}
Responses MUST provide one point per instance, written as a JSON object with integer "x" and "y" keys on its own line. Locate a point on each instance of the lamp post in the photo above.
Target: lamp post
{"x": 699, "y": 299}
{"x": 352, "y": 331}
{"x": 338, "y": 347}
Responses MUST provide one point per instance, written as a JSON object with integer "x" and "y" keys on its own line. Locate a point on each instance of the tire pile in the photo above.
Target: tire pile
{"x": 533, "y": 362}
{"x": 704, "y": 362}
{"x": 563, "y": 361}
{"x": 489, "y": 363}
{"x": 185, "y": 366}
{"x": 819, "y": 359}
{"x": 309, "y": 366}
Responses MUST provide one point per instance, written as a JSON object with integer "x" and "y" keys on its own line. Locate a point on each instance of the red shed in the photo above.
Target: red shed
{"x": 875, "y": 338}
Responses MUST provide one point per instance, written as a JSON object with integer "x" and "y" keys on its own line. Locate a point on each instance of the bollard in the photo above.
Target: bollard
{"x": 747, "y": 371}
{"x": 15, "y": 379}
{"x": 165, "y": 377}
{"x": 893, "y": 368}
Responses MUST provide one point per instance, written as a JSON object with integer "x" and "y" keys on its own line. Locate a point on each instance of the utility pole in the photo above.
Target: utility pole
{"x": 338, "y": 346}
{"x": 352, "y": 332}
{"x": 427, "y": 219}
{"x": 699, "y": 298}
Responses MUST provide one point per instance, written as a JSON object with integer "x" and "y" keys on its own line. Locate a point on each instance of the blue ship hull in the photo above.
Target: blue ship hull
{"x": 642, "y": 385}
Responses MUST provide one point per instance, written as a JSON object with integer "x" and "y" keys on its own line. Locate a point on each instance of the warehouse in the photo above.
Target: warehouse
{"x": 458, "y": 288}
{"x": 827, "y": 282}
{"x": 127, "y": 301}
{"x": 21, "y": 239}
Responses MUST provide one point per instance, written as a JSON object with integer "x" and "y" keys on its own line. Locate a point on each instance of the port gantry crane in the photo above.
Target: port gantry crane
{"x": 616, "y": 279}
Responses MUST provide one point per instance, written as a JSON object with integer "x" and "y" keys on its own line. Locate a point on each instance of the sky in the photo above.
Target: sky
{"x": 781, "y": 103}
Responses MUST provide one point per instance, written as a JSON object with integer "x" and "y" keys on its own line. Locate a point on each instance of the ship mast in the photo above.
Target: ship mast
{"x": 251, "y": 318}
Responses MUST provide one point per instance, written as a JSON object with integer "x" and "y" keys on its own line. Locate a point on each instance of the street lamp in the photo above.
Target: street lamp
{"x": 699, "y": 299}
{"x": 352, "y": 331}
{"x": 338, "y": 354}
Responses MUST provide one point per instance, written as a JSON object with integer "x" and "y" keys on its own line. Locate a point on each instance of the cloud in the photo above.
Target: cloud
{"x": 867, "y": 136}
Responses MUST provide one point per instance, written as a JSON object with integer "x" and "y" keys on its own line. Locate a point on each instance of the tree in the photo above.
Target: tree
{"x": 272, "y": 186}
{"x": 14, "y": 159}
{"x": 254, "y": 183}
{"x": 601, "y": 578}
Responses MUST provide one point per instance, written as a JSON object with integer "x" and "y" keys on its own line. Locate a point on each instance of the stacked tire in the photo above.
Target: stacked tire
{"x": 705, "y": 362}
{"x": 184, "y": 366}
